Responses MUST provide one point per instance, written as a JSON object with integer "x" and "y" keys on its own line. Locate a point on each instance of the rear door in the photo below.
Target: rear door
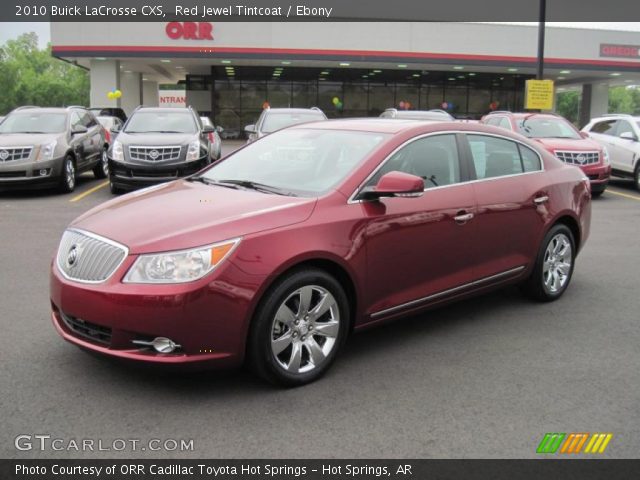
{"x": 604, "y": 132}
{"x": 419, "y": 249}
{"x": 626, "y": 149}
{"x": 509, "y": 189}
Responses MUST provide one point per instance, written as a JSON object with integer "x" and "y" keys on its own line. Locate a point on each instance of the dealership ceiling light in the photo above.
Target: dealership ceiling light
{"x": 285, "y": 63}
{"x": 452, "y": 78}
{"x": 101, "y": 58}
{"x": 472, "y": 74}
{"x": 344, "y": 64}
{"x": 416, "y": 75}
{"x": 561, "y": 78}
{"x": 402, "y": 65}
{"x": 615, "y": 74}
{"x": 324, "y": 72}
{"x": 512, "y": 69}
{"x": 165, "y": 60}
{"x": 377, "y": 71}
{"x": 565, "y": 72}
{"x": 225, "y": 61}
{"x": 458, "y": 67}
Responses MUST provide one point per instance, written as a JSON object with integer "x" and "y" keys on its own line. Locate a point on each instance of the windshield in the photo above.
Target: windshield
{"x": 34, "y": 123}
{"x": 303, "y": 162}
{"x": 161, "y": 122}
{"x": 276, "y": 121}
{"x": 543, "y": 127}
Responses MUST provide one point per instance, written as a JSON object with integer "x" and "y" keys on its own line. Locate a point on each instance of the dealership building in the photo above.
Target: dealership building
{"x": 232, "y": 70}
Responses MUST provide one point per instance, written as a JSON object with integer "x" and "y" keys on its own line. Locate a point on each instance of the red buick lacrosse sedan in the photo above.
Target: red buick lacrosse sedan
{"x": 279, "y": 251}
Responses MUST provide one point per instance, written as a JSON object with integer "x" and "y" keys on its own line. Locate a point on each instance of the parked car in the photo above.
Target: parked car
{"x": 230, "y": 134}
{"x": 437, "y": 115}
{"x": 277, "y": 252}
{"x": 1, "y": 118}
{"x": 619, "y": 134}
{"x": 158, "y": 145}
{"x": 214, "y": 138}
{"x": 109, "y": 124}
{"x": 109, "y": 112}
{"x": 50, "y": 147}
{"x": 272, "y": 119}
{"x": 562, "y": 139}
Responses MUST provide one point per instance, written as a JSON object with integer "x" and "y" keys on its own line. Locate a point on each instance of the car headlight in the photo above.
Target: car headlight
{"x": 117, "y": 152}
{"x": 46, "y": 151}
{"x": 605, "y": 156}
{"x": 193, "y": 152}
{"x": 179, "y": 266}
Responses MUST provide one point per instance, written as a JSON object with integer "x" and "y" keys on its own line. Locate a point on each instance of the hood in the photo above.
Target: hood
{"x": 184, "y": 214}
{"x": 578, "y": 144}
{"x": 156, "y": 139}
{"x": 27, "y": 139}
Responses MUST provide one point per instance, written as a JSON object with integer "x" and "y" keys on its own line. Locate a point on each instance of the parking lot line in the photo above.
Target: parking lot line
{"x": 90, "y": 191}
{"x": 626, "y": 195}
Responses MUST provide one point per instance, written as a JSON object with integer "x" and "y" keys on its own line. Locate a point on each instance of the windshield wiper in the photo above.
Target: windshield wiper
{"x": 260, "y": 187}
{"x": 208, "y": 181}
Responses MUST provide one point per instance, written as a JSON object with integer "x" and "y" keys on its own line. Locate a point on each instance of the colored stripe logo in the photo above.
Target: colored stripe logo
{"x": 574, "y": 443}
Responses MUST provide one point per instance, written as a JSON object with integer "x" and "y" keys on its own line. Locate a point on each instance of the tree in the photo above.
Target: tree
{"x": 31, "y": 76}
{"x": 568, "y": 105}
{"x": 624, "y": 100}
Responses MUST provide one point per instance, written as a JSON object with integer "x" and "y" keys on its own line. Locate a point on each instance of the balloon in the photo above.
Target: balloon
{"x": 402, "y": 104}
{"x": 265, "y": 105}
{"x": 339, "y": 105}
{"x": 444, "y": 105}
{"x": 335, "y": 101}
{"x": 117, "y": 94}
{"x": 110, "y": 95}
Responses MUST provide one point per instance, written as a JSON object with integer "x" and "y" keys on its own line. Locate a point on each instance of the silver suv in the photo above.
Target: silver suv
{"x": 49, "y": 147}
{"x": 272, "y": 119}
{"x": 620, "y": 134}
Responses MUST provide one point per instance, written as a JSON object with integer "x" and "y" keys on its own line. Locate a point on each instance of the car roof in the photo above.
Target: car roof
{"x": 47, "y": 110}
{"x": 375, "y": 124}
{"x": 163, "y": 109}
{"x": 294, "y": 110}
{"x": 635, "y": 118}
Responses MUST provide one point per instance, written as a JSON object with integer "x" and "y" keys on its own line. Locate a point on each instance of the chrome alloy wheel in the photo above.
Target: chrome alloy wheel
{"x": 104, "y": 159}
{"x": 70, "y": 174}
{"x": 305, "y": 329}
{"x": 558, "y": 259}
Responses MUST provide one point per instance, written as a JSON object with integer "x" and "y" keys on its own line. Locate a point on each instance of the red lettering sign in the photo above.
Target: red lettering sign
{"x": 189, "y": 30}
{"x": 619, "y": 51}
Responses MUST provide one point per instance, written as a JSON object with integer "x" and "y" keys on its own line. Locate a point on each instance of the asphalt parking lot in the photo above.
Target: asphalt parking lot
{"x": 486, "y": 378}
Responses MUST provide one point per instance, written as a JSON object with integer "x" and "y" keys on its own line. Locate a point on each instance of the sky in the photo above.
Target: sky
{"x": 9, "y": 30}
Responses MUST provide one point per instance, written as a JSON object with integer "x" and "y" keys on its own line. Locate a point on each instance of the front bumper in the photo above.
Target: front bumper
{"x": 26, "y": 174}
{"x": 128, "y": 176}
{"x": 208, "y": 318}
{"x": 598, "y": 176}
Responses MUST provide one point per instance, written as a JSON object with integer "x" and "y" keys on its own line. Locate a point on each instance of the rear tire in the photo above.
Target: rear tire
{"x": 554, "y": 265}
{"x": 636, "y": 176}
{"x": 101, "y": 170}
{"x": 299, "y": 328}
{"x": 68, "y": 175}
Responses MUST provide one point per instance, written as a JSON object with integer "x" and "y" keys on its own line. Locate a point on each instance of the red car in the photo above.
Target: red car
{"x": 286, "y": 246}
{"x": 563, "y": 140}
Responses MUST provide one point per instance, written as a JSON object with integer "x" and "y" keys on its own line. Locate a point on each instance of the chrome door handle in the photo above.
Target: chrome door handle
{"x": 541, "y": 199}
{"x": 465, "y": 217}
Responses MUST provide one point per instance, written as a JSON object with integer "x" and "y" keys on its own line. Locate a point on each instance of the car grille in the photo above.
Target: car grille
{"x": 154, "y": 154}
{"x": 14, "y": 153}
{"x": 13, "y": 174}
{"x": 87, "y": 257}
{"x": 578, "y": 158}
{"x": 90, "y": 331}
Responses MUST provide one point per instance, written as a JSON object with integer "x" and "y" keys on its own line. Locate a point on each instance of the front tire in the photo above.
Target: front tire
{"x": 68, "y": 176}
{"x": 113, "y": 189}
{"x": 101, "y": 170}
{"x": 299, "y": 328}
{"x": 554, "y": 265}
{"x": 636, "y": 176}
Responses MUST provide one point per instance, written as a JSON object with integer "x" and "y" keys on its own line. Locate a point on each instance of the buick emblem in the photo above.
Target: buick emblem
{"x": 581, "y": 158}
{"x": 72, "y": 256}
{"x": 153, "y": 154}
{"x": 4, "y": 154}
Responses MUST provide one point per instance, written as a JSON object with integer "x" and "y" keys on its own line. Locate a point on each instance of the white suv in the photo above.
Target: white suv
{"x": 620, "y": 133}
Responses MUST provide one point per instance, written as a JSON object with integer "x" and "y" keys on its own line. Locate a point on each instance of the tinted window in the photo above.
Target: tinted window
{"x": 546, "y": 127}
{"x": 434, "y": 159}
{"x": 493, "y": 121}
{"x": 303, "y": 161}
{"x": 34, "y": 123}
{"x": 530, "y": 159}
{"x": 75, "y": 119}
{"x": 624, "y": 127}
{"x": 87, "y": 119}
{"x": 608, "y": 127}
{"x": 275, "y": 121}
{"x": 497, "y": 157}
{"x": 505, "y": 123}
{"x": 161, "y": 122}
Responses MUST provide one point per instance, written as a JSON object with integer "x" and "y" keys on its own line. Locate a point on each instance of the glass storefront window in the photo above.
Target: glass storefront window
{"x": 408, "y": 93}
{"x": 431, "y": 96}
{"x": 479, "y": 101}
{"x": 304, "y": 94}
{"x": 456, "y": 95}
{"x": 326, "y": 92}
{"x": 253, "y": 94}
{"x": 381, "y": 97}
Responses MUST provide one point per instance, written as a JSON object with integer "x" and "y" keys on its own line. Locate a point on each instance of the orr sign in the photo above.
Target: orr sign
{"x": 189, "y": 30}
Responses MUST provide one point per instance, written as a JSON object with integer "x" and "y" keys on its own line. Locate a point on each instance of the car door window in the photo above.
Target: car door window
{"x": 498, "y": 157}
{"x": 75, "y": 119}
{"x": 504, "y": 123}
{"x": 433, "y": 158}
{"x": 495, "y": 121}
{"x": 624, "y": 127}
{"x": 606, "y": 127}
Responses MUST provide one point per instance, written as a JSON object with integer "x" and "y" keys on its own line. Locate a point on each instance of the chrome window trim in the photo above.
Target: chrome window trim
{"x": 95, "y": 236}
{"x": 444, "y": 293}
{"x": 352, "y": 199}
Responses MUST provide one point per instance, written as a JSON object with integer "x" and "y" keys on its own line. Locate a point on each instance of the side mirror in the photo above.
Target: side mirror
{"x": 115, "y": 129}
{"x": 629, "y": 136}
{"x": 250, "y": 128}
{"x": 584, "y": 134}
{"x": 219, "y": 129}
{"x": 208, "y": 129}
{"x": 79, "y": 129}
{"x": 395, "y": 184}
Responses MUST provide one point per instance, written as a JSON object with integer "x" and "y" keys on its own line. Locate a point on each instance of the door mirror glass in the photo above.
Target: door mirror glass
{"x": 395, "y": 184}
{"x": 208, "y": 129}
{"x": 115, "y": 129}
{"x": 584, "y": 134}
{"x": 219, "y": 129}
{"x": 79, "y": 129}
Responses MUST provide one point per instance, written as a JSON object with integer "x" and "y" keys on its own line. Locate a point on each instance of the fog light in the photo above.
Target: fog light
{"x": 44, "y": 172}
{"x": 159, "y": 344}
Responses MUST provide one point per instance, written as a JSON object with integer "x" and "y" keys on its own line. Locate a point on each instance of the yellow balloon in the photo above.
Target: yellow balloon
{"x": 110, "y": 96}
{"x": 118, "y": 94}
